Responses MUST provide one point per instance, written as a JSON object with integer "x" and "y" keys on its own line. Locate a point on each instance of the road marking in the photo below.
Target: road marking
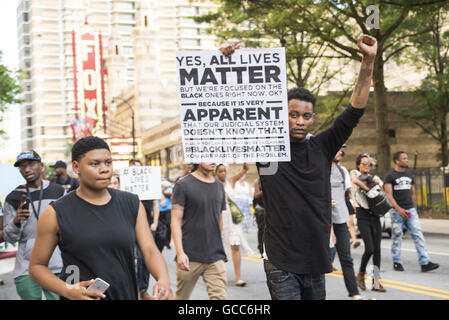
{"x": 404, "y": 284}
{"x": 434, "y": 292}
{"x": 400, "y": 287}
{"x": 414, "y": 250}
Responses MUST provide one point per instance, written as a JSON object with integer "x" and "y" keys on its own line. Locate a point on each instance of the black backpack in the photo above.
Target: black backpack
{"x": 378, "y": 201}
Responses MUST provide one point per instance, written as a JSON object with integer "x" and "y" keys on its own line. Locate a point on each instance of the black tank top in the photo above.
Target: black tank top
{"x": 100, "y": 241}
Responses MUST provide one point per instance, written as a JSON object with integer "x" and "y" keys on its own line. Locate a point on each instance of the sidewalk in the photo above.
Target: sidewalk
{"x": 437, "y": 227}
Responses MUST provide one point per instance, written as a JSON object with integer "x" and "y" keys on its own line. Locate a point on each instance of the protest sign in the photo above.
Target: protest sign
{"x": 234, "y": 109}
{"x": 143, "y": 181}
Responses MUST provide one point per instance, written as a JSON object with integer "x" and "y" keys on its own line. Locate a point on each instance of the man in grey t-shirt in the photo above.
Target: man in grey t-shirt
{"x": 340, "y": 217}
{"x": 197, "y": 202}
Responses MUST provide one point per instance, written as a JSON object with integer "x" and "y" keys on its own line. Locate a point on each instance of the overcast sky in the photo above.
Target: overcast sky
{"x": 9, "y": 148}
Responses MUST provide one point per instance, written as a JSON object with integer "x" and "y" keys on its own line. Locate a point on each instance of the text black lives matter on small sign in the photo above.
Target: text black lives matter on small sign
{"x": 143, "y": 181}
{"x": 233, "y": 110}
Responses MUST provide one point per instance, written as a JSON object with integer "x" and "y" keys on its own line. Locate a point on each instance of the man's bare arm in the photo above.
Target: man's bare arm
{"x": 388, "y": 187}
{"x": 177, "y": 213}
{"x": 368, "y": 46}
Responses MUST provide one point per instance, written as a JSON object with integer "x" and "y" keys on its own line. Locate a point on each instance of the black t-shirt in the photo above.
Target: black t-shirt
{"x": 99, "y": 241}
{"x": 401, "y": 183}
{"x": 203, "y": 203}
{"x": 71, "y": 183}
{"x": 297, "y": 200}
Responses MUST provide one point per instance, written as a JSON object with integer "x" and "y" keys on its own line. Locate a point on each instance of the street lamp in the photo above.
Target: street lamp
{"x": 132, "y": 118}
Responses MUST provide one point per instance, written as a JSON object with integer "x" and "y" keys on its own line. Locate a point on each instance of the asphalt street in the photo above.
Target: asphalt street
{"x": 412, "y": 284}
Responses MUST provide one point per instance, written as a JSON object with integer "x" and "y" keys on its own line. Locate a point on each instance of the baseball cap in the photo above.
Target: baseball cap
{"x": 59, "y": 164}
{"x": 27, "y": 155}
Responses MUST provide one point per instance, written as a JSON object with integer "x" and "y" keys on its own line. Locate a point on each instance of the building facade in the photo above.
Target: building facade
{"x": 45, "y": 54}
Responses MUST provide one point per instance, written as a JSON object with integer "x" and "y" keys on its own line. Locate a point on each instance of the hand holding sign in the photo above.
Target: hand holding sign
{"x": 229, "y": 50}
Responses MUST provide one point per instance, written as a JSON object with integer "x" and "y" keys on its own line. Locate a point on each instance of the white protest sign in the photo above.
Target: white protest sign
{"x": 234, "y": 109}
{"x": 143, "y": 181}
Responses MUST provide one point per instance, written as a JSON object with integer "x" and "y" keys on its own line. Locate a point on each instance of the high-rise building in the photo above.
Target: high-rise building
{"x": 140, "y": 38}
{"x": 45, "y": 54}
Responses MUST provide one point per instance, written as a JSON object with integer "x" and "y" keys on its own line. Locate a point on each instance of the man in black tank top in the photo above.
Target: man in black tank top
{"x": 96, "y": 229}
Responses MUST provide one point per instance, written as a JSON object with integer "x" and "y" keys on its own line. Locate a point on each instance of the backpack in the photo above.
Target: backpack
{"x": 378, "y": 201}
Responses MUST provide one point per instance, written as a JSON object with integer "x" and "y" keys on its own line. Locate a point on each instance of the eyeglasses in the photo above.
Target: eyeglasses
{"x": 366, "y": 163}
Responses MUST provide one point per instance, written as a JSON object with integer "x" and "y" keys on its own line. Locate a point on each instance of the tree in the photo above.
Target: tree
{"x": 260, "y": 24}
{"x": 431, "y": 53}
{"x": 9, "y": 89}
{"x": 337, "y": 24}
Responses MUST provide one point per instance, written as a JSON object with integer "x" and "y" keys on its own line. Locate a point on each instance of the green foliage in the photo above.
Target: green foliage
{"x": 9, "y": 89}
{"x": 263, "y": 23}
{"x": 431, "y": 54}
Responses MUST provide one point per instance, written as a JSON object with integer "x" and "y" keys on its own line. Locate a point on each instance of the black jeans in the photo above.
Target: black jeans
{"x": 284, "y": 285}
{"x": 143, "y": 275}
{"x": 344, "y": 254}
{"x": 371, "y": 232}
{"x": 165, "y": 218}
{"x": 260, "y": 220}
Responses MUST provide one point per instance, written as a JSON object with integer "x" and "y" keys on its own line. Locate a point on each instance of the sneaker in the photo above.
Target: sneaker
{"x": 430, "y": 266}
{"x": 398, "y": 267}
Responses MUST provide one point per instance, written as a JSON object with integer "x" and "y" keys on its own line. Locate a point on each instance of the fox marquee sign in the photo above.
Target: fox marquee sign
{"x": 88, "y": 80}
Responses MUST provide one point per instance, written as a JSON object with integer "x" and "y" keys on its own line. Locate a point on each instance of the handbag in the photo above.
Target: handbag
{"x": 236, "y": 214}
{"x": 378, "y": 202}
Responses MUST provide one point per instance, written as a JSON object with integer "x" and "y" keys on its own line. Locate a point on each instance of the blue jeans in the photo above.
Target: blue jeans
{"x": 414, "y": 228}
{"x": 284, "y": 285}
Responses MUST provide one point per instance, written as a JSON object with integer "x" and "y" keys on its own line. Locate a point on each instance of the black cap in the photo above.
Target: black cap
{"x": 59, "y": 164}
{"x": 27, "y": 155}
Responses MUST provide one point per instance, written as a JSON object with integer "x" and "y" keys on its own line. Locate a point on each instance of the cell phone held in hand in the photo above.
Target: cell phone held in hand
{"x": 408, "y": 213}
{"x": 25, "y": 202}
{"x": 99, "y": 285}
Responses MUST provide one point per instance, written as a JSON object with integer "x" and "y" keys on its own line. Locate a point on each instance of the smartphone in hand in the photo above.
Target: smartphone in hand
{"x": 25, "y": 202}
{"x": 99, "y": 285}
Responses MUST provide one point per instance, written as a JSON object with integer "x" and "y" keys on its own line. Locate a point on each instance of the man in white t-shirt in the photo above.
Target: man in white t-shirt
{"x": 340, "y": 217}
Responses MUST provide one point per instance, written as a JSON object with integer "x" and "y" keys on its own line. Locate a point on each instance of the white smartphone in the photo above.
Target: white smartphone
{"x": 99, "y": 285}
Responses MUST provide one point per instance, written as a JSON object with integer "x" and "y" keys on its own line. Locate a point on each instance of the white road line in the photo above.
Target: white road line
{"x": 414, "y": 250}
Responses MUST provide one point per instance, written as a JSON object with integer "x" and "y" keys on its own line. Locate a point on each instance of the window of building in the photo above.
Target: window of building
{"x": 25, "y": 16}
{"x": 153, "y": 159}
{"x": 392, "y": 133}
{"x": 124, "y": 5}
{"x": 125, "y": 28}
{"x": 29, "y": 122}
{"x": 126, "y": 17}
{"x": 191, "y": 43}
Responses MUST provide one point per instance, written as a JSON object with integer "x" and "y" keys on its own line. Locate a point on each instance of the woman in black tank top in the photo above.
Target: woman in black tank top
{"x": 96, "y": 229}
